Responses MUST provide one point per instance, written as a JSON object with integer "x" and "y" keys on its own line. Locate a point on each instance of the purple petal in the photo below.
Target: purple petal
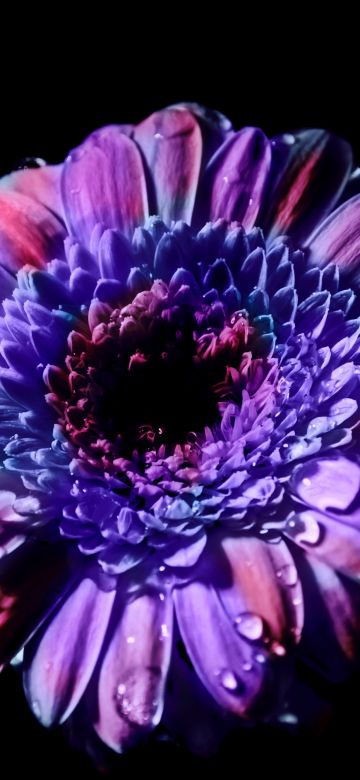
{"x": 337, "y": 240}
{"x": 42, "y": 184}
{"x": 171, "y": 143}
{"x": 29, "y": 232}
{"x": 309, "y": 171}
{"x": 134, "y": 669}
{"x": 24, "y": 600}
{"x": 59, "y": 664}
{"x": 327, "y": 484}
{"x": 103, "y": 181}
{"x": 235, "y": 177}
{"x": 230, "y": 668}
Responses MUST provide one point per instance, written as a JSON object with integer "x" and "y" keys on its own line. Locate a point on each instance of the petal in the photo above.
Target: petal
{"x": 29, "y": 232}
{"x": 231, "y": 669}
{"x": 335, "y": 542}
{"x": 59, "y": 664}
{"x": 134, "y": 669}
{"x": 326, "y": 484}
{"x": 309, "y": 171}
{"x": 264, "y": 584}
{"x": 215, "y": 127}
{"x": 103, "y": 181}
{"x": 235, "y": 177}
{"x": 42, "y": 184}
{"x": 24, "y": 601}
{"x": 337, "y": 240}
{"x": 172, "y": 146}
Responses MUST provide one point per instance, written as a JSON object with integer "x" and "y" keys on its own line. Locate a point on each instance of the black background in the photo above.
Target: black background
{"x": 56, "y": 87}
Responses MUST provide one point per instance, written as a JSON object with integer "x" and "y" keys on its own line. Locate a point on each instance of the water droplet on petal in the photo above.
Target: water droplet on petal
{"x": 278, "y": 649}
{"x": 228, "y": 680}
{"x": 158, "y": 136}
{"x": 288, "y": 138}
{"x": 247, "y": 667}
{"x": 250, "y": 626}
{"x": 287, "y": 574}
{"x": 297, "y": 601}
{"x": 137, "y": 695}
{"x": 303, "y": 528}
{"x": 35, "y": 706}
{"x": 130, "y": 640}
{"x": 260, "y": 658}
{"x": 288, "y": 717}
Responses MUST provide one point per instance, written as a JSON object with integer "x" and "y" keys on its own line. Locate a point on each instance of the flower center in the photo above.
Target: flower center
{"x": 148, "y": 373}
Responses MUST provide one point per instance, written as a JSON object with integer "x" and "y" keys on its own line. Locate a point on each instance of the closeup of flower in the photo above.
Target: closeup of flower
{"x": 179, "y": 411}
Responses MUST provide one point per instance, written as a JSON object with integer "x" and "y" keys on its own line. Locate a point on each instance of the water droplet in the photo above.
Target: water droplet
{"x": 158, "y": 136}
{"x": 247, "y": 667}
{"x": 306, "y": 482}
{"x": 288, "y": 138}
{"x": 288, "y": 717}
{"x": 228, "y": 680}
{"x": 278, "y": 649}
{"x": 250, "y": 626}
{"x": 303, "y": 528}
{"x": 130, "y": 640}
{"x": 35, "y": 706}
{"x": 288, "y": 574}
{"x": 251, "y": 201}
{"x": 75, "y": 191}
{"x": 226, "y": 179}
{"x": 137, "y": 695}
{"x": 260, "y": 658}
{"x": 297, "y": 601}
{"x": 164, "y": 631}
{"x": 161, "y": 569}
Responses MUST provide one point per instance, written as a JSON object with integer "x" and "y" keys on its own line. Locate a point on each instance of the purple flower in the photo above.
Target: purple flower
{"x": 178, "y": 422}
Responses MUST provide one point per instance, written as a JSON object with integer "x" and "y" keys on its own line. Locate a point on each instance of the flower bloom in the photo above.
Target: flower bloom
{"x": 179, "y": 406}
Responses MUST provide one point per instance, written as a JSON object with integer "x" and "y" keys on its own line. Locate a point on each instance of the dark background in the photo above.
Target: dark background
{"x": 55, "y": 89}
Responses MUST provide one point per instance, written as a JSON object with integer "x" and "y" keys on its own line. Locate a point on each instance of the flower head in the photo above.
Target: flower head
{"x": 179, "y": 403}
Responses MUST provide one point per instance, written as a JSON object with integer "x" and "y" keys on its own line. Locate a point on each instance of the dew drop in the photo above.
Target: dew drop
{"x": 288, "y": 717}
{"x": 228, "y": 680}
{"x": 250, "y": 626}
{"x": 158, "y": 136}
{"x": 288, "y": 139}
{"x": 297, "y": 601}
{"x": 303, "y": 528}
{"x": 35, "y": 706}
{"x": 288, "y": 574}
{"x": 260, "y": 658}
{"x": 278, "y": 649}
{"x": 306, "y": 482}
{"x": 130, "y": 640}
{"x": 247, "y": 667}
{"x": 137, "y": 695}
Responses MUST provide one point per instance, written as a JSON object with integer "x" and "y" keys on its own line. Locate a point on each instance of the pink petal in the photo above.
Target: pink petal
{"x": 309, "y": 171}
{"x": 59, "y": 664}
{"x": 337, "y": 239}
{"x": 134, "y": 669}
{"x": 42, "y": 184}
{"x": 235, "y": 177}
{"x": 172, "y": 146}
{"x": 29, "y": 232}
{"x": 103, "y": 181}
{"x": 263, "y": 584}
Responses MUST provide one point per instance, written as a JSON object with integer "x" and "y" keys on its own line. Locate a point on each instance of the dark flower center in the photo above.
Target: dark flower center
{"x": 150, "y": 373}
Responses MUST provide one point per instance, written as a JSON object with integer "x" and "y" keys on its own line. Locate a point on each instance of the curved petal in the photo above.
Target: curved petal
{"x": 134, "y": 669}
{"x": 309, "y": 171}
{"x": 215, "y": 127}
{"x": 265, "y": 592}
{"x": 231, "y": 669}
{"x": 42, "y": 184}
{"x": 172, "y": 146}
{"x": 331, "y": 631}
{"x": 29, "y": 232}
{"x": 337, "y": 240}
{"x": 59, "y": 664}
{"x": 235, "y": 178}
{"x": 24, "y": 600}
{"x": 338, "y": 544}
{"x": 103, "y": 181}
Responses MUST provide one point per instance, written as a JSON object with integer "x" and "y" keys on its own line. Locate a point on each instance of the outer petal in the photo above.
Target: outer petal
{"x": 29, "y": 232}
{"x": 230, "y": 668}
{"x": 172, "y": 146}
{"x": 103, "y": 181}
{"x": 264, "y": 585}
{"x": 59, "y": 664}
{"x": 134, "y": 669}
{"x": 33, "y": 579}
{"x": 337, "y": 240}
{"x": 215, "y": 127}
{"x": 309, "y": 171}
{"x": 235, "y": 177}
{"x": 42, "y": 184}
